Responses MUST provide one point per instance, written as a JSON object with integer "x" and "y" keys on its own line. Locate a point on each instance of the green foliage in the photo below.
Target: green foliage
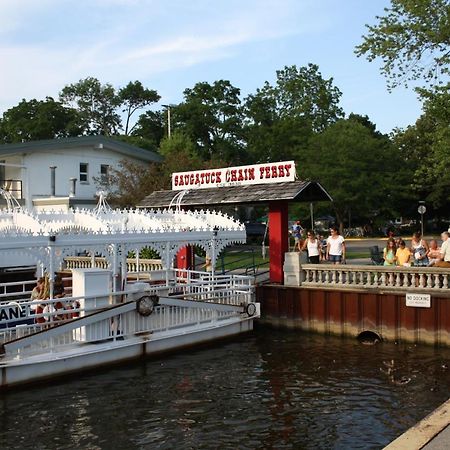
{"x": 138, "y": 141}
{"x": 298, "y": 117}
{"x": 299, "y": 93}
{"x": 426, "y": 148}
{"x": 211, "y": 116}
{"x": 412, "y": 40}
{"x": 129, "y": 183}
{"x": 96, "y": 104}
{"x": 150, "y": 126}
{"x": 360, "y": 170}
{"x": 38, "y": 119}
{"x": 145, "y": 253}
{"x": 134, "y": 97}
{"x": 281, "y": 119}
{"x": 179, "y": 143}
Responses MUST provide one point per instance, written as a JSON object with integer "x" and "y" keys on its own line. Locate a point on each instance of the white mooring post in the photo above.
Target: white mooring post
{"x": 292, "y": 268}
{"x": 91, "y": 282}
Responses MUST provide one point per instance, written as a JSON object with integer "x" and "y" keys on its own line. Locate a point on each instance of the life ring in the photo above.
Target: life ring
{"x": 146, "y": 305}
{"x": 250, "y": 309}
{"x": 59, "y": 307}
{"x": 48, "y": 312}
{"x": 75, "y": 305}
{"x": 39, "y": 310}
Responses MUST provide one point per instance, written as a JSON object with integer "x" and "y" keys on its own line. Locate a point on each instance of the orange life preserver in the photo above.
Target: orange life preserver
{"x": 75, "y": 305}
{"x": 39, "y": 310}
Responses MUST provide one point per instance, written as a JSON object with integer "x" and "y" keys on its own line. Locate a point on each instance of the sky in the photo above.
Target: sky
{"x": 171, "y": 45}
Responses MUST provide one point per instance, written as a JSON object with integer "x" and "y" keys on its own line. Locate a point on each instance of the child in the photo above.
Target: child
{"x": 402, "y": 255}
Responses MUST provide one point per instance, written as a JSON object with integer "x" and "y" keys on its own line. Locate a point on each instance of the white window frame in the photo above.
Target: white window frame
{"x": 84, "y": 174}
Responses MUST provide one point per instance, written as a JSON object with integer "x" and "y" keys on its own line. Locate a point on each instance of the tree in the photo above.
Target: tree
{"x": 280, "y": 119}
{"x": 39, "y": 119}
{"x": 425, "y": 146}
{"x": 361, "y": 171}
{"x": 150, "y": 126}
{"x": 211, "y": 116}
{"x": 96, "y": 104}
{"x": 300, "y": 93}
{"x": 131, "y": 182}
{"x": 134, "y": 97}
{"x": 412, "y": 39}
{"x": 180, "y": 155}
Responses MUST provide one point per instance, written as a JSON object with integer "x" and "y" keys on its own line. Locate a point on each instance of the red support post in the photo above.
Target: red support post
{"x": 185, "y": 257}
{"x": 278, "y": 238}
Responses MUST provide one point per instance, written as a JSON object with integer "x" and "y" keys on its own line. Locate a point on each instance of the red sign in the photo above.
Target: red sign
{"x": 234, "y": 176}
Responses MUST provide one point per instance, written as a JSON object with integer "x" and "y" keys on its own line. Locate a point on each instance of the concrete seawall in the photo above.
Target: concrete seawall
{"x": 349, "y": 312}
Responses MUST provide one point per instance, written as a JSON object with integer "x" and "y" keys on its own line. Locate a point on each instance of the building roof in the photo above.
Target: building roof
{"x": 96, "y": 142}
{"x": 297, "y": 191}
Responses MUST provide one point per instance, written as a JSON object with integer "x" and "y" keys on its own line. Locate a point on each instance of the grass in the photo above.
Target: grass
{"x": 238, "y": 260}
{"x": 242, "y": 259}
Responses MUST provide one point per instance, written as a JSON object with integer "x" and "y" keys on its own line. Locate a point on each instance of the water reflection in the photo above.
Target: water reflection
{"x": 270, "y": 389}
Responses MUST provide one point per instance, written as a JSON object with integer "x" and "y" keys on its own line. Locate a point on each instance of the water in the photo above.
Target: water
{"x": 270, "y": 389}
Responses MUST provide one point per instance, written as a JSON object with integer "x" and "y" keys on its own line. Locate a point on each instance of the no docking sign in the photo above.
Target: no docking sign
{"x": 418, "y": 300}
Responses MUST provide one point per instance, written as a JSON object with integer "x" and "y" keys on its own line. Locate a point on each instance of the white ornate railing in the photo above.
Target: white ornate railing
{"x": 22, "y": 316}
{"x": 118, "y": 322}
{"x": 133, "y": 266}
{"x": 397, "y": 278}
{"x": 204, "y": 286}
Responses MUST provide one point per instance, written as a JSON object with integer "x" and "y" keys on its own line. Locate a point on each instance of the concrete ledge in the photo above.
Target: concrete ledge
{"x": 421, "y": 434}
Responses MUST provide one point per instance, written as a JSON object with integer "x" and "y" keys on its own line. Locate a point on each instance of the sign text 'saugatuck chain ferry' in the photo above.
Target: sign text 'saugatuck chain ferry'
{"x": 234, "y": 176}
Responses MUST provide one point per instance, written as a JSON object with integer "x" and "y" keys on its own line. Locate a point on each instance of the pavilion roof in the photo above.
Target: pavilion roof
{"x": 297, "y": 191}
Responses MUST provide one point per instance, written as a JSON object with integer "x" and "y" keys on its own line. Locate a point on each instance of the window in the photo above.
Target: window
{"x": 104, "y": 170}
{"x": 84, "y": 173}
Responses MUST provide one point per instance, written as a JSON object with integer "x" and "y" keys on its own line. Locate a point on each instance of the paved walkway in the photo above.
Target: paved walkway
{"x": 431, "y": 433}
{"x": 440, "y": 442}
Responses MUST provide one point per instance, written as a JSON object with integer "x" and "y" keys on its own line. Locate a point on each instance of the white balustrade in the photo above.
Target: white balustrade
{"x": 370, "y": 277}
{"x": 99, "y": 262}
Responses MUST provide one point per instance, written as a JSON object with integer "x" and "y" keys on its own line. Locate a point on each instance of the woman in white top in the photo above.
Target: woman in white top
{"x": 335, "y": 247}
{"x": 312, "y": 244}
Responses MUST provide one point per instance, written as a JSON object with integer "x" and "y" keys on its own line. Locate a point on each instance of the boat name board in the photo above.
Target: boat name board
{"x": 14, "y": 312}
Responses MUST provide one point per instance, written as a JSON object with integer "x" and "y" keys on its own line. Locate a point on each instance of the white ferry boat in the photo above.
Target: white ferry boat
{"x": 115, "y": 309}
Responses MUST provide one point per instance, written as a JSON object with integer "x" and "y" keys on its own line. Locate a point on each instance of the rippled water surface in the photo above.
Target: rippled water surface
{"x": 269, "y": 389}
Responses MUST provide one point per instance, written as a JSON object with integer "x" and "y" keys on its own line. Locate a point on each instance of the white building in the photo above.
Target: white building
{"x": 25, "y": 169}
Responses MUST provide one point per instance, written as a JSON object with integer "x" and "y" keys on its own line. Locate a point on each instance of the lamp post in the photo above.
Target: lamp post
{"x": 422, "y": 209}
{"x": 169, "y": 131}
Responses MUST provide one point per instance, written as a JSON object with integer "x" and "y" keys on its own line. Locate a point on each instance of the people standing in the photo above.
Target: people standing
{"x": 44, "y": 294}
{"x": 434, "y": 253}
{"x": 36, "y": 293}
{"x": 335, "y": 247}
{"x": 208, "y": 264}
{"x": 389, "y": 252}
{"x": 445, "y": 251}
{"x": 297, "y": 232}
{"x": 312, "y": 244}
{"x": 403, "y": 254}
{"x": 419, "y": 250}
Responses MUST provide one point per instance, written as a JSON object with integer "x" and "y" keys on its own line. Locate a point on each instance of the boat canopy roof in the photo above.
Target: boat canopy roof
{"x": 53, "y": 235}
{"x": 117, "y": 221}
